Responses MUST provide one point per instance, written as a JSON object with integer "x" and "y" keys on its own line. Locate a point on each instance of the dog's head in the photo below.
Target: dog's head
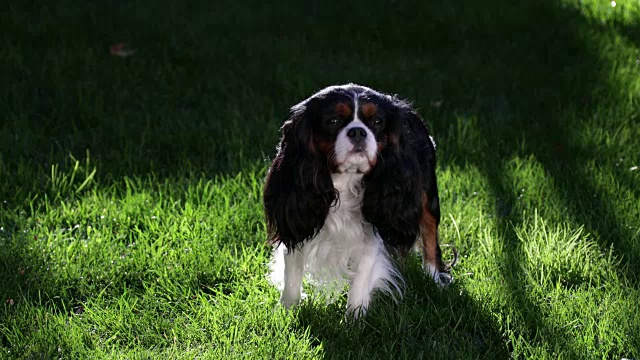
{"x": 342, "y": 129}
{"x": 349, "y": 125}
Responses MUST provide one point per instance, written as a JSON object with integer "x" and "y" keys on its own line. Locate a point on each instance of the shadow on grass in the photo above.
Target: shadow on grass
{"x": 551, "y": 77}
{"x": 540, "y": 111}
{"x": 427, "y": 323}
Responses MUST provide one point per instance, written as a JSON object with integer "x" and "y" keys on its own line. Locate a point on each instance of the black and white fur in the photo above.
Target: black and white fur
{"x": 353, "y": 183}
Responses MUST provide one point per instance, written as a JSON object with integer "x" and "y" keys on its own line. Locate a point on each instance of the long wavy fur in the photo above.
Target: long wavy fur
{"x": 405, "y": 169}
{"x": 298, "y": 191}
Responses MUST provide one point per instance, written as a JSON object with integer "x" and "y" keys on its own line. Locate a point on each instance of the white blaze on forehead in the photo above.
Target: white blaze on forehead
{"x": 355, "y": 108}
{"x": 355, "y": 161}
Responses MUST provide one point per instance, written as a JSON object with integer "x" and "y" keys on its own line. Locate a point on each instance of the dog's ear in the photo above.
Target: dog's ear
{"x": 393, "y": 200}
{"x": 298, "y": 191}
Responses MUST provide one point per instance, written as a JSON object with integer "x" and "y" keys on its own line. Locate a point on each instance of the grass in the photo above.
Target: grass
{"x": 130, "y": 216}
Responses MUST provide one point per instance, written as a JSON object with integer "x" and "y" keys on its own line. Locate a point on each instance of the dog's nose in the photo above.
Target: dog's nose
{"x": 357, "y": 133}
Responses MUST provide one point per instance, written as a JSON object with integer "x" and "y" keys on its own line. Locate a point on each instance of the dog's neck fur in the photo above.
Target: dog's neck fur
{"x": 345, "y": 217}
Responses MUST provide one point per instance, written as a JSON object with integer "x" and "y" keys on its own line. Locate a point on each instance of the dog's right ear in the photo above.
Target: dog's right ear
{"x": 298, "y": 191}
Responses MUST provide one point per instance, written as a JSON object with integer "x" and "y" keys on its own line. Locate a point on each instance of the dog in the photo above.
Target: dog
{"x": 353, "y": 183}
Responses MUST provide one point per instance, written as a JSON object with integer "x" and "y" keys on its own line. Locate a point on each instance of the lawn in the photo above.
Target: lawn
{"x": 131, "y": 223}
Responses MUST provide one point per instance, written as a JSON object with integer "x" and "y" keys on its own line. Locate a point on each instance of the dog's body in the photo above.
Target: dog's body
{"x": 340, "y": 250}
{"x": 354, "y": 179}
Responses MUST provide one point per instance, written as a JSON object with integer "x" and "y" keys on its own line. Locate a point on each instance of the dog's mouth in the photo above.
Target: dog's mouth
{"x": 357, "y": 161}
{"x": 358, "y": 146}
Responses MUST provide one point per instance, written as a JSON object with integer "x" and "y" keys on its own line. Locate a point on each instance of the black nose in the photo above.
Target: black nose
{"x": 357, "y": 133}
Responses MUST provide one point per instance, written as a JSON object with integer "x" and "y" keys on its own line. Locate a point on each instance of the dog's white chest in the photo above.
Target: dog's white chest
{"x": 345, "y": 217}
{"x": 340, "y": 242}
{"x": 345, "y": 251}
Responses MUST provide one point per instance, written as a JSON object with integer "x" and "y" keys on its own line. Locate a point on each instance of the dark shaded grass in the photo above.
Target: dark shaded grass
{"x": 432, "y": 323}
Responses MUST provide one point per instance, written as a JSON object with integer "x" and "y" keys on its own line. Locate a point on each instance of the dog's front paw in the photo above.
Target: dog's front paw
{"x": 288, "y": 300}
{"x": 441, "y": 278}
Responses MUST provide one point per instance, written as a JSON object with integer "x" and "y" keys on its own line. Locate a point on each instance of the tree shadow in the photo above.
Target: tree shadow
{"x": 548, "y": 99}
{"x": 548, "y": 78}
{"x": 427, "y": 323}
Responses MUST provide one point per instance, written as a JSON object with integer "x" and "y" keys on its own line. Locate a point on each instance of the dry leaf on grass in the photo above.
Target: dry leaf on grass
{"x": 121, "y": 49}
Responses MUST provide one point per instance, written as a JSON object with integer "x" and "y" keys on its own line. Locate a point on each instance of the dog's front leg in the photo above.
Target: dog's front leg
{"x": 293, "y": 271}
{"x": 373, "y": 270}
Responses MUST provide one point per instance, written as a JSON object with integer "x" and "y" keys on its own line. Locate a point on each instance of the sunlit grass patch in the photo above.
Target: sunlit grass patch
{"x": 562, "y": 256}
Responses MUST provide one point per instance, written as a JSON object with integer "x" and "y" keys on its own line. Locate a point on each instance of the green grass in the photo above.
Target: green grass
{"x": 130, "y": 212}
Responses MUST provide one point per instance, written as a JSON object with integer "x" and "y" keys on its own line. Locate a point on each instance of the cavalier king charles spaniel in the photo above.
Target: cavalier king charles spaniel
{"x": 352, "y": 184}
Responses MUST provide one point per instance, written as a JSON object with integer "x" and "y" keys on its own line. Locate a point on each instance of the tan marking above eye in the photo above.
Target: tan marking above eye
{"x": 369, "y": 110}
{"x": 343, "y": 109}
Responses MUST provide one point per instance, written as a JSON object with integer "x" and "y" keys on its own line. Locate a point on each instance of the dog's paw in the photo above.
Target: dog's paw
{"x": 288, "y": 303}
{"x": 442, "y": 279}
{"x": 291, "y": 299}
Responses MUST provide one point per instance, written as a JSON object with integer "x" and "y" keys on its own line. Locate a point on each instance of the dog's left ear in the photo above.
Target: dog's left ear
{"x": 298, "y": 190}
{"x": 393, "y": 200}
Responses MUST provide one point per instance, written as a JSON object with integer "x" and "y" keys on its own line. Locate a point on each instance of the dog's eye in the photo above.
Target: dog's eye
{"x": 377, "y": 121}
{"x": 333, "y": 122}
